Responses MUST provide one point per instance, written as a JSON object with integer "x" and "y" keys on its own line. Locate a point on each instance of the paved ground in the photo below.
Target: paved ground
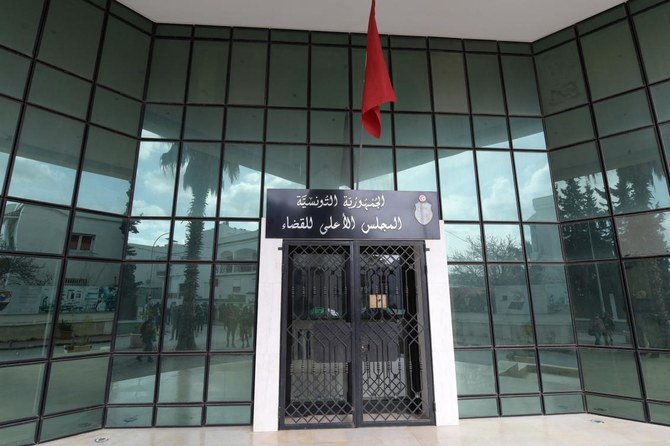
{"x": 557, "y": 430}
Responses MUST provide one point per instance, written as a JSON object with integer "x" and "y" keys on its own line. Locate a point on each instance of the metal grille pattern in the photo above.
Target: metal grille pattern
{"x": 392, "y": 336}
{"x": 319, "y": 336}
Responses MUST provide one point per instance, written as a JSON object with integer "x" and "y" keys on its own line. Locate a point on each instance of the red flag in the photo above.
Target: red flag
{"x": 377, "y": 88}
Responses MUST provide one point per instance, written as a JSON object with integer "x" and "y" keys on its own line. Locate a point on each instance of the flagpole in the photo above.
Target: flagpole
{"x": 357, "y": 165}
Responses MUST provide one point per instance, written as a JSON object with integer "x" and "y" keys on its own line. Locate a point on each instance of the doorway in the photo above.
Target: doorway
{"x": 355, "y": 343}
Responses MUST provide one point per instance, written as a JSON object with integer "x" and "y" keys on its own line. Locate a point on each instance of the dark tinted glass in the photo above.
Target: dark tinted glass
{"x": 209, "y": 72}
{"x": 14, "y": 73}
{"x": 125, "y": 54}
{"x": 621, "y": 113}
{"x": 169, "y": 65}
{"x": 611, "y": 60}
{"x": 71, "y": 36}
{"x": 288, "y": 75}
{"x": 18, "y": 24}
{"x": 449, "y": 88}
{"x": 247, "y": 73}
{"x": 116, "y": 111}
{"x": 648, "y": 285}
{"x": 590, "y": 240}
{"x": 485, "y": 84}
{"x": 551, "y": 306}
{"x": 559, "y": 75}
{"x": 410, "y": 80}
{"x": 520, "y": 85}
{"x": 654, "y": 36}
{"x": 330, "y": 74}
{"x": 88, "y": 376}
{"x": 469, "y": 305}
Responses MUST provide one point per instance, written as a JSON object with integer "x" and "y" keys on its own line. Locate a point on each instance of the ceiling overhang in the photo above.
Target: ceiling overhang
{"x": 505, "y": 20}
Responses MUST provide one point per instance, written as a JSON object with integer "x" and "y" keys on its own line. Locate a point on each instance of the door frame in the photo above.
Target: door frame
{"x": 355, "y": 247}
{"x": 265, "y": 403}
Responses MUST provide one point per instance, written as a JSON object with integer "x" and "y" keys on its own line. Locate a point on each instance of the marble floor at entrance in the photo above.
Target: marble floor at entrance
{"x": 557, "y": 430}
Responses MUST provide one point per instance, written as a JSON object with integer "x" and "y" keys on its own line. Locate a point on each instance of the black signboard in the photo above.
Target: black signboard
{"x": 352, "y": 214}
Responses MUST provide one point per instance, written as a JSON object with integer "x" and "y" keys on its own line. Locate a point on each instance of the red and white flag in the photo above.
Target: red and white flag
{"x": 377, "y": 88}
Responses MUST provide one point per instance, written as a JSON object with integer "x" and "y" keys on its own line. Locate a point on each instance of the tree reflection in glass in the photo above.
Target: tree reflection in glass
{"x": 201, "y": 176}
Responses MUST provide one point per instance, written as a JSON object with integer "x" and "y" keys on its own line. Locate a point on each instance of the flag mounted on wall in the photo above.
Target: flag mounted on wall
{"x": 377, "y": 88}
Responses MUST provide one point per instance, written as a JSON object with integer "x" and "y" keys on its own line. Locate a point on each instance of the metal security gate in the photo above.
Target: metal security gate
{"x": 354, "y": 335}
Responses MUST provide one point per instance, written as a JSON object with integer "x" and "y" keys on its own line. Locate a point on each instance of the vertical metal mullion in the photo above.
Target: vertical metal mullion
{"x": 356, "y": 322}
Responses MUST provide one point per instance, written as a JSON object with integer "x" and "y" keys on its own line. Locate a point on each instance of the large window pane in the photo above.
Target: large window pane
{"x": 491, "y": 132}
{"x": 551, "y": 306}
{"x": 534, "y": 183}
{"x": 474, "y": 372}
{"x": 410, "y": 80}
{"x": 634, "y": 172}
{"x": 71, "y": 424}
{"x": 597, "y": 296}
{"x": 14, "y": 73}
{"x": 21, "y": 391}
{"x": 611, "y": 60}
{"x": 559, "y": 75}
{"x": 569, "y": 127}
{"x": 87, "y": 376}
{"x": 578, "y": 182}
{"x": 169, "y": 65}
{"x": 116, "y": 111}
{"x": 29, "y": 305}
{"x": 230, "y": 378}
{"x": 649, "y": 287}
{"x": 32, "y": 228}
{"x": 449, "y": 88}
{"x": 413, "y": 130}
{"x": 590, "y": 240}
{"x": 18, "y": 24}
{"x": 188, "y": 308}
{"x": 96, "y": 235}
{"x": 330, "y": 168}
{"x": 291, "y": 126}
{"x": 288, "y": 75}
{"x": 464, "y": 242}
{"x": 154, "y": 186}
{"x": 503, "y": 243}
{"x": 654, "y": 371}
{"x": 244, "y": 124}
{"x": 124, "y": 58}
{"x": 453, "y": 131}
{"x": 181, "y": 379}
{"x": 485, "y": 84}
{"x": 193, "y": 240}
{"x": 416, "y": 170}
{"x": 47, "y": 158}
{"x": 560, "y": 370}
{"x": 543, "y": 243}
{"x": 71, "y": 36}
{"x": 235, "y": 302}
{"x": 247, "y": 73}
{"x": 618, "y": 367}
{"x": 653, "y": 35}
{"x": 209, "y": 71}
{"x": 517, "y": 371}
{"x": 238, "y": 240}
{"x": 330, "y": 127}
{"x": 509, "y": 303}
{"x": 496, "y": 186}
{"x": 458, "y": 184}
{"x": 520, "y": 85}
{"x": 9, "y": 115}
{"x": 162, "y": 121}
{"x": 59, "y": 91}
{"x": 330, "y": 77}
{"x": 107, "y": 171}
{"x": 645, "y": 234}
{"x": 375, "y": 168}
{"x": 469, "y": 305}
{"x": 198, "y": 178}
{"x": 621, "y": 113}
{"x": 203, "y": 123}
{"x": 285, "y": 167}
{"x": 527, "y": 133}
{"x": 241, "y": 187}
{"x": 87, "y": 308}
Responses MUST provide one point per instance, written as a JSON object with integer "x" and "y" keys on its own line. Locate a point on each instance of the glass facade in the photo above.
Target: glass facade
{"x": 135, "y": 159}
